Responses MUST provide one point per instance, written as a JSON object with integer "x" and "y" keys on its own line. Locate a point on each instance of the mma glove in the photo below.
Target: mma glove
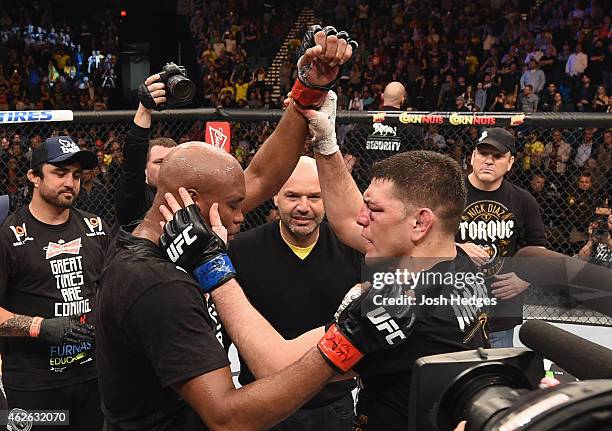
{"x": 145, "y": 97}
{"x": 62, "y": 330}
{"x": 305, "y": 94}
{"x": 190, "y": 243}
{"x": 362, "y": 327}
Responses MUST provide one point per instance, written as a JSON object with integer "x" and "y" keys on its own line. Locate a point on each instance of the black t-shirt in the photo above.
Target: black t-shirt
{"x": 501, "y": 222}
{"x": 295, "y": 295}
{"x": 153, "y": 331}
{"x": 383, "y": 401}
{"x": 49, "y": 271}
{"x": 371, "y": 143}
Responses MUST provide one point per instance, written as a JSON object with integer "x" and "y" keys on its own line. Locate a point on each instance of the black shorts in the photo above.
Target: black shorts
{"x": 81, "y": 400}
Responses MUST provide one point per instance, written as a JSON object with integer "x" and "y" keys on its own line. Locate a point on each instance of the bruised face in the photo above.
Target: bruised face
{"x": 386, "y": 224}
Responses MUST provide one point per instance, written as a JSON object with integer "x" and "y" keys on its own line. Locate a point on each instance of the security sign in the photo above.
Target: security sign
{"x": 218, "y": 134}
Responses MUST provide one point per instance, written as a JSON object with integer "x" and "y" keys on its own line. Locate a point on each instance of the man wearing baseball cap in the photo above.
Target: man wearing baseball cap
{"x": 498, "y": 219}
{"x": 53, "y": 254}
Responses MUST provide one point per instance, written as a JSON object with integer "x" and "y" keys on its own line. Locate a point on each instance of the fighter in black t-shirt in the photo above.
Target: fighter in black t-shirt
{"x": 52, "y": 255}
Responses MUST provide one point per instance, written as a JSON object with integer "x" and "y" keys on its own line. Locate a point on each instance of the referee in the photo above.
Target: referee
{"x": 52, "y": 256}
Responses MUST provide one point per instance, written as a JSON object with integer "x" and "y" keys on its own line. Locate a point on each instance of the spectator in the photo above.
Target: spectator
{"x": 460, "y": 105}
{"x": 480, "y": 99}
{"x": 528, "y": 100}
{"x": 356, "y": 103}
{"x": 548, "y": 98}
{"x": 600, "y": 100}
{"x": 586, "y": 149}
{"x": 556, "y": 154}
{"x": 577, "y": 62}
{"x": 585, "y": 94}
{"x": 534, "y": 77}
{"x": 581, "y": 204}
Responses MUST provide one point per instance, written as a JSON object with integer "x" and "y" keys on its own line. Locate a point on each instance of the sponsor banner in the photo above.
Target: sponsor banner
{"x": 9, "y": 117}
{"x": 480, "y": 119}
{"x": 218, "y": 134}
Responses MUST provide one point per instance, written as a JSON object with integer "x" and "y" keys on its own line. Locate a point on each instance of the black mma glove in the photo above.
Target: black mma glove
{"x": 191, "y": 244}
{"x": 306, "y": 94}
{"x": 144, "y": 97}
{"x": 66, "y": 330}
{"x": 364, "y": 327}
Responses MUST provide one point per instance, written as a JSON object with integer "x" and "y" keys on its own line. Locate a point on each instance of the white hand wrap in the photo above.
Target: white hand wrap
{"x": 322, "y": 126}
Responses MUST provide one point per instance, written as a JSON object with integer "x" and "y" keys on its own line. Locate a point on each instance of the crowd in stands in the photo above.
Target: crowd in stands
{"x": 47, "y": 61}
{"x": 485, "y": 55}
{"x": 450, "y": 55}
{"x": 235, "y": 46}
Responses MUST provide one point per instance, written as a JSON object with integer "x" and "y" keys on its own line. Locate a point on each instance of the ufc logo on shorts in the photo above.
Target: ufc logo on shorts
{"x": 176, "y": 248}
{"x": 384, "y": 322}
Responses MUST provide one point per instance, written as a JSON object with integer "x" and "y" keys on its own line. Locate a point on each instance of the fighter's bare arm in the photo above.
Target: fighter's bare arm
{"x": 342, "y": 198}
{"x": 265, "y": 351}
{"x": 278, "y": 156}
{"x": 260, "y": 404}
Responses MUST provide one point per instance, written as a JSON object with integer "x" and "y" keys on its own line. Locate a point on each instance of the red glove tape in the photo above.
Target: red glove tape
{"x": 338, "y": 350}
{"x": 307, "y": 97}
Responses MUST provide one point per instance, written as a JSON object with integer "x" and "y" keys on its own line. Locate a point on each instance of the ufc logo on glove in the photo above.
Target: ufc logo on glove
{"x": 176, "y": 247}
{"x": 384, "y": 322}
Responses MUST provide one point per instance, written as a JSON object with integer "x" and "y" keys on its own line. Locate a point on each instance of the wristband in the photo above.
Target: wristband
{"x": 214, "y": 272}
{"x": 35, "y": 327}
{"x": 308, "y": 97}
{"x": 338, "y": 351}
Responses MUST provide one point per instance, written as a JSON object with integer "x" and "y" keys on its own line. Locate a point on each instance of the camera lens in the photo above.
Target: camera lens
{"x": 181, "y": 88}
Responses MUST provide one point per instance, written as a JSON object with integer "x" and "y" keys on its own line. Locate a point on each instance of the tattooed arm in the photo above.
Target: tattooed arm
{"x": 14, "y": 325}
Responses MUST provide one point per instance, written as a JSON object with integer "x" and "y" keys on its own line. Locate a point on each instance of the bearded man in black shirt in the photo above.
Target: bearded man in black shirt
{"x": 51, "y": 257}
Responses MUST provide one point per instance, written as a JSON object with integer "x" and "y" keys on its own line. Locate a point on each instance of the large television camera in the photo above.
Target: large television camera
{"x": 497, "y": 389}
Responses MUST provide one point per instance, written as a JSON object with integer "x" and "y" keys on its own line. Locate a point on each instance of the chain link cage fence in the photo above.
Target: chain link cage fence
{"x": 563, "y": 160}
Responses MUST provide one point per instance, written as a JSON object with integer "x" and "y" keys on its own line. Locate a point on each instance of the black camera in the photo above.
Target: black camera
{"x": 179, "y": 89}
{"x": 497, "y": 389}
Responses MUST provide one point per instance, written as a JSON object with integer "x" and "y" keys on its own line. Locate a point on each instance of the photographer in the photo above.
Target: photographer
{"x": 598, "y": 249}
{"x": 142, "y": 158}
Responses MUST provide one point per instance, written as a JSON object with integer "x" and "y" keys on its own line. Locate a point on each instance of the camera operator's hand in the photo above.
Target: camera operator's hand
{"x": 323, "y": 50}
{"x": 152, "y": 93}
{"x": 508, "y": 286}
{"x": 460, "y": 426}
{"x": 65, "y": 330}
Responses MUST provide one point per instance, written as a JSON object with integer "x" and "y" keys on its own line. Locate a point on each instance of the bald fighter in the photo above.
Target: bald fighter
{"x": 295, "y": 272}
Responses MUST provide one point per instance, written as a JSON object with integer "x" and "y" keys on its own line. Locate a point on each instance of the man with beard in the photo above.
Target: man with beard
{"x": 52, "y": 256}
{"x": 295, "y": 272}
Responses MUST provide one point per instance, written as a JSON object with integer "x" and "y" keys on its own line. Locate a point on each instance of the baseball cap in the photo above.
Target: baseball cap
{"x": 499, "y": 138}
{"x": 58, "y": 149}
